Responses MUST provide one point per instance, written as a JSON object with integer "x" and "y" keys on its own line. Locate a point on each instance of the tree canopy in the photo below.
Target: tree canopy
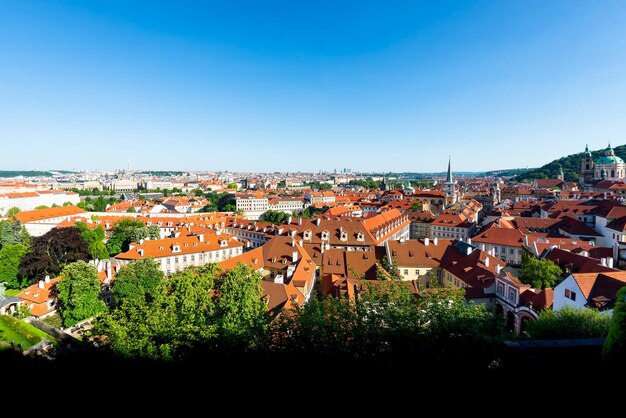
{"x": 569, "y": 322}
{"x": 94, "y": 237}
{"x": 540, "y": 273}
{"x": 79, "y": 293}
{"x": 193, "y": 309}
{"x": 10, "y": 258}
{"x": 13, "y": 232}
{"x": 126, "y": 231}
{"x": 275, "y": 216}
{"x": 139, "y": 282}
{"x": 51, "y": 252}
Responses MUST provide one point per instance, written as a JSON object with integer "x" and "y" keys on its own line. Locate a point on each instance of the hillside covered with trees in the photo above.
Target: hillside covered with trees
{"x": 570, "y": 165}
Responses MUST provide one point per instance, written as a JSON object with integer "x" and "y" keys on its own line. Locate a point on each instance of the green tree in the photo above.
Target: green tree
{"x": 131, "y": 210}
{"x": 569, "y": 322}
{"x": 68, "y": 204}
{"x": 540, "y": 273}
{"x": 95, "y": 241}
{"x": 138, "y": 282}
{"x": 615, "y": 343}
{"x": 233, "y": 186}
{"x": 416, "y": 206}
{"x": 10, "y": 258}
{"x": 274, "y": 216}
{"x": 242, "y": 312}
{"x": 42, "y": 207}
{"x": 100, "y": 204}
{"x": 180, "y": 318}
{"x": 12, "y": 212}
{"x": 13, "y": 232}
{"x": 124, "y": 232}
{"x": 79, "y": 293}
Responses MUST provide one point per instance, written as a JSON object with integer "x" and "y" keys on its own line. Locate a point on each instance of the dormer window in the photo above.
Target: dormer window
{"x": 176, "y": 249}
{"x": 223, "y": 243}
{"x": 343, "y": 236}
{"x": 360, "y": 236}
{"x": 161, "y": 248}
{"x": 195, "y": 244}
{"x": 307, "y": 234}
{"x": 186, "y": 245}
{"x": 325, "y": 235}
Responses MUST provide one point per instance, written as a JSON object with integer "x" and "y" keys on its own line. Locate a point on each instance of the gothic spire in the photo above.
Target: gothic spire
{"x": 449, "y": 177}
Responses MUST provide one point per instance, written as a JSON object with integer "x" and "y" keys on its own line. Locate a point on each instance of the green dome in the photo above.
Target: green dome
{"x": 609, "y": 159}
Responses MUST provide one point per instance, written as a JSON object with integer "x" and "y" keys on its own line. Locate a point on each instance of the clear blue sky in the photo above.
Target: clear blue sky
{"x": 308, "y": 85}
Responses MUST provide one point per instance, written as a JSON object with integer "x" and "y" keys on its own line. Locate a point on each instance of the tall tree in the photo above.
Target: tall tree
{"x": 10, "y": 258}
{"x": 79, "y": 293}
{"x": 99, "y": 205}
{"x": 51, "y": 252}
{"x": 124, "y": 232}
{"x": 242, "y": 312}
{"x": 13, "y": 232}
{"x": 540, "y": 273}
{"x": 95, "y": 240}
{"x": 139, "y": 282}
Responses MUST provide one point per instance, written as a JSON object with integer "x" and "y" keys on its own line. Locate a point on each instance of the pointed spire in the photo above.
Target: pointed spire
{"x": 586, "y": 147}
{"x": 449, "y": 177}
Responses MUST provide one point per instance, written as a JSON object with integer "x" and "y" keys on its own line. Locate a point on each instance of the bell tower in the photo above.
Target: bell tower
{"x": 449, "y": 189}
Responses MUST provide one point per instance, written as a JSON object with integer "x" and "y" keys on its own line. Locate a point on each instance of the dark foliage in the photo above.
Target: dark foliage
{"x": 51, "y": 252}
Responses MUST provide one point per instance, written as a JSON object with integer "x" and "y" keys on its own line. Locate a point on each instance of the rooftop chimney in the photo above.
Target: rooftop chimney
{"x": 609, "y": 262}
{"x": 469, "y": 240}
{"x": 468, "y": 250}
{"x": 201, "y": 237}
{"x": 294, "y": 255}
{"x": 317, "y": 222}
{"x": 435, "y": 241}
{"x": 426, "y": 242}
{"x": 603, "y": 261}
{"x": 299, "y": 221}
{"x": 487, "y": 261}
{"x": 47, "y": 279}
{"x": 498, "y": 268}
{"x": 289, "y": 220}
{"x": 41, "y": 284}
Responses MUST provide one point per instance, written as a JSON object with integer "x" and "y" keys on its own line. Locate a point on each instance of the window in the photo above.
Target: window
{"x": 176, "y": 260}
{"x": 512, "y": 295}
{"x": 511, "y": 251}
{"x": 406, "y": 272}
{"x": 417, "y": 272}
{"x": 500, "y": 289}
{"x": 570, "y": 294}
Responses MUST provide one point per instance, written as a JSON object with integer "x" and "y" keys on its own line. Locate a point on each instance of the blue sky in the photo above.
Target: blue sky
{"x": 308, "y": 85}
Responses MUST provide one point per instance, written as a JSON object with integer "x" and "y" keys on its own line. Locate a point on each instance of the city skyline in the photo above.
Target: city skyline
{"x": 302, "y": 88}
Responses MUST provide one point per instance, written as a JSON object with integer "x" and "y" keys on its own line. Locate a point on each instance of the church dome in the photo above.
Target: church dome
{"x": 609, "y": 158}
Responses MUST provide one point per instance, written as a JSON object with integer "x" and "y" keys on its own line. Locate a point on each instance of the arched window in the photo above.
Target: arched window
{"x": 587, "y": 167}
{"x": 612, "y": 173}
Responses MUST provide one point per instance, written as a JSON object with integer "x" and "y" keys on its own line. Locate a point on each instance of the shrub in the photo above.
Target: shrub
{"x": 569, "y": 322}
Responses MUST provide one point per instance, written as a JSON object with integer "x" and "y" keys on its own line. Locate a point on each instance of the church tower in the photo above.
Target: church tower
{"x": 561, "y": 175}
{"x": 496, "y": 192}
{"x": 449, "y": 189}
{"x": 587, "y": 169}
